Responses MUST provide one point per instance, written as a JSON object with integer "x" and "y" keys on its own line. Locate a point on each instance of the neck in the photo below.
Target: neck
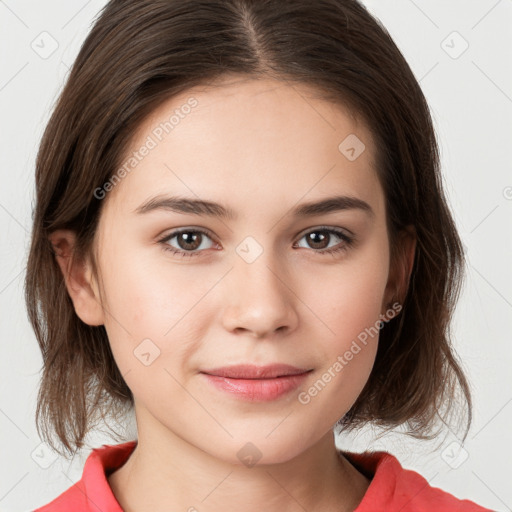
{"x": 167, "y": 473}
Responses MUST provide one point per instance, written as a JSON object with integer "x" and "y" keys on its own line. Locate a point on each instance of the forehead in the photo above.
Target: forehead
{"x": 238, "y": 138}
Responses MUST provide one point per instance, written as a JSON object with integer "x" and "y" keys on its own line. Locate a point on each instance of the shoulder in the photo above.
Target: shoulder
{"x": 73, "y": 497}
{"x": 92, "y": 491}
{"x": 393, "y": 487}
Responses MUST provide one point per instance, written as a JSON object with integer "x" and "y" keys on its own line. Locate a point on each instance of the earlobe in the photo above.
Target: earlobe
{"x": 78, "y": 278}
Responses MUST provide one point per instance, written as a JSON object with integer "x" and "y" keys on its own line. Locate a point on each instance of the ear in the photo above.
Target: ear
{"x": 78, "y": 277}
{"x": 400, "y": 267}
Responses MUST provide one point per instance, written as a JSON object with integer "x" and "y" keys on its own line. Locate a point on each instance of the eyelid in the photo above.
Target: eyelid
{"x": 347, "y": 232}
{"x": 176, "y": 231}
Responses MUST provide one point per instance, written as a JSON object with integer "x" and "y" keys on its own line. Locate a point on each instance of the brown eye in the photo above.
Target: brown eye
{"x": 187, "y": 242}
{"x": 318, "y": 239}
{"x": 327, "y": 240}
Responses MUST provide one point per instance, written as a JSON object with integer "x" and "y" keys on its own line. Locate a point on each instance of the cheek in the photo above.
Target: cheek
{"x": 350, "y": 308}
{"x": 151, "y": 299}
{"x": 147, "y": 294}
{"x": 348, "y": 301}
{"x": 348, "y": 297}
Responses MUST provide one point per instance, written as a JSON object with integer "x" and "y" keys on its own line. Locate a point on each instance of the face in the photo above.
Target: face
{"x": 263, "y": 279}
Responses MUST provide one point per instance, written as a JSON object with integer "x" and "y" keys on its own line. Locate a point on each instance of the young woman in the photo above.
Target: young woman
{"x": 240, "y": 233}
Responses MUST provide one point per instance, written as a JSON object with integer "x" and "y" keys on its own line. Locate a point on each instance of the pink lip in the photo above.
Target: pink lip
{"x": 257, "y": 383}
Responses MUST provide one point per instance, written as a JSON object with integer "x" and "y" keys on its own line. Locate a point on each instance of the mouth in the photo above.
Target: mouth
{"x": 257, "y": 383}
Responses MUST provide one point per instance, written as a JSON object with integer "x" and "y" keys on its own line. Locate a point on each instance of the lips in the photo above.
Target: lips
{"x": 256, "y": 383}
{"x": 248, "y": 371}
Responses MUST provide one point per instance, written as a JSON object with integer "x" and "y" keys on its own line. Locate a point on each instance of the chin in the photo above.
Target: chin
{"x": 260, "y": 450}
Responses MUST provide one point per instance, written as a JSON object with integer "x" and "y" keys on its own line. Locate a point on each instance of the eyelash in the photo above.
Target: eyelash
{"x": 347, "y": 241}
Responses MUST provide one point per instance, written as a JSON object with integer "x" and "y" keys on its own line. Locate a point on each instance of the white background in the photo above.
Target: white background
{"x": 471, "y": 101}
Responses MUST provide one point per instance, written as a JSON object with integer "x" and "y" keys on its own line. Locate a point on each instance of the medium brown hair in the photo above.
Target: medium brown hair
{"x": 140, "y": 53}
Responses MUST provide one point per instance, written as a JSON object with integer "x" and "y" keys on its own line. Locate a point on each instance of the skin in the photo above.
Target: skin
{"x": 259, "y": 147}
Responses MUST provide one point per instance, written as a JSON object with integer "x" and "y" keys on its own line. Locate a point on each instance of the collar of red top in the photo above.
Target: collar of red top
{"x": 391, "y": 488}
{"x": 103, "y": 461}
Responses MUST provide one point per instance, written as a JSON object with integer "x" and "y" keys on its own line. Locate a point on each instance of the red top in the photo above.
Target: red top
{"x": 392, "y": 487}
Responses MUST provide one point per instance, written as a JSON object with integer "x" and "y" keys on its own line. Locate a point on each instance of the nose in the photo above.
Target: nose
{"x": 259, "y": 299}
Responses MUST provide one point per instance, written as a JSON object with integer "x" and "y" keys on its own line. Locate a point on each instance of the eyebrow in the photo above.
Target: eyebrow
{"x": 212, "y": 209}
